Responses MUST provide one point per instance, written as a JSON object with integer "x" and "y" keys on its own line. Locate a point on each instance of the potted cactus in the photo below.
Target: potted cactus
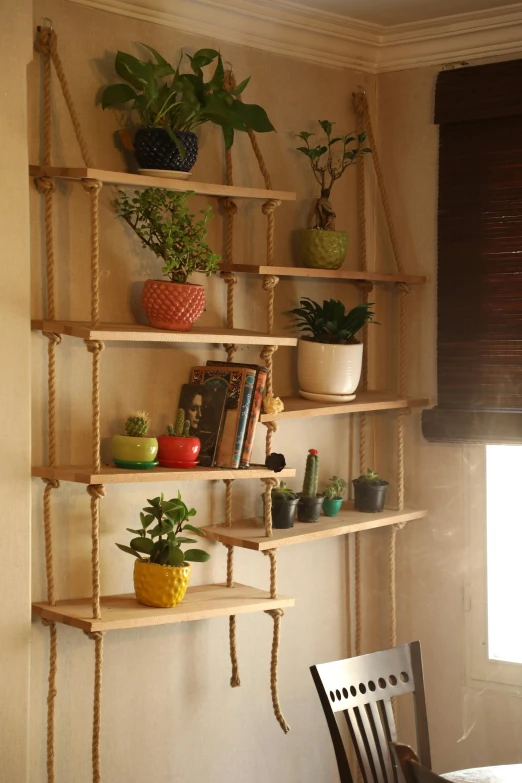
{"x": 329, "y": 357}
{"x": 135, "y": 450}
{"x": 310, "y": 503}
{"x": 284, "y": 506}
{"x": 162, "y": 568}
{"x": 162, "y": 221}
{"x": 369, "y": 493}
{"x": 333, "y": 496}
{"x": 177, "y": 449}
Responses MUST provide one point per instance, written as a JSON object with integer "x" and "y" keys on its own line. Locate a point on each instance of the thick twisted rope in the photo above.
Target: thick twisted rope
{"x": 97, "y": 638}
{"x": 268, "y": 210}
{"x": 361, "y": 199}
{"x": 362, "y": 112}
{"x": 95, "y": 347}
{"x": 271, "y": 426}
{"x": 231, "y": 281}
{"x": 235, "y": 682}
{"x": 270, "y": 483}
{"x": 269, "y": 283}
{"x": 97, "y": 492}
{"x": 276, "y": 615}
{"x": 93, "y": 187}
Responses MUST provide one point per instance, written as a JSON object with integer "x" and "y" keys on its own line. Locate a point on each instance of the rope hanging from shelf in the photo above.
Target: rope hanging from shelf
{"x": 46, "y": 44}
{"x": 235, "y": 681}
{"x": 276, "y": 615}
{"x": 364, "y": 124}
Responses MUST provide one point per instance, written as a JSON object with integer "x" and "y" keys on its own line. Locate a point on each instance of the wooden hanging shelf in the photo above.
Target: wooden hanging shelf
{"x": 250, "y": 533}
{"x": 298, "y": 407}
{"x": 83, "y": 474}
{"x": 134, "y": 333}
{"x": 124, "y": 611}
{"x": 141, "y": 181}
{"x": 352, "y": 275}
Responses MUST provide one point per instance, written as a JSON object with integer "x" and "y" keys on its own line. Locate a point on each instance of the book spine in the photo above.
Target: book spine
{"x": 244, "y": 416}
{"x": 227, "y": 444}
{"x": 255, "y": 412}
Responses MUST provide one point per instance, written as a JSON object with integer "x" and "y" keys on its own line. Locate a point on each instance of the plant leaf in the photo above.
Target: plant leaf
{"x": 129, "y": 551}
{"x": 196, "y": 556}
{"x": 116, "y": 94}
{"x": 176, "y": 557}
{"x": 194, "y": 529}
{"x": 141, "y": 544}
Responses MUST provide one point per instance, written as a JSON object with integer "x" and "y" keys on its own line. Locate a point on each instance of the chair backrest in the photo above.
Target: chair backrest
{"x": 362, "y": 689}
{"x": 408, "y": 767}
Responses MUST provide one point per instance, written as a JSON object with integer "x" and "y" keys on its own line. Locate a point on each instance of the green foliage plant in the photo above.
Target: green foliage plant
{"x": 282, "y": 492}
{"x": 311, "y": 476}
{"x": 372, "y": 478}
{"x": 162, "y": 220}
{"x": 138, "y": 425}
{"x": 160, "y": 537}
{"x": 181, "y": 428}
{"x": 329, "y": 160}
{"x": 164, "y": 97}
{"x": 330, "y": 323}
{"x": 335, "y": 490}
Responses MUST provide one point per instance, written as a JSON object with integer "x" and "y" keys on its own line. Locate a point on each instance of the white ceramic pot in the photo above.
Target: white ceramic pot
{"x": 329, "y": 369}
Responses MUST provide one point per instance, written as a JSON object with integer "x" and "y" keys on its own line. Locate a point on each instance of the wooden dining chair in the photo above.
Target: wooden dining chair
{"x": 408, "y": 768}
{"x": 361, "y": 689}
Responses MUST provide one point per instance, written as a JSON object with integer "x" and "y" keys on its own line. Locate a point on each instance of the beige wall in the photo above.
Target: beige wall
{"x": 15, "y": 45}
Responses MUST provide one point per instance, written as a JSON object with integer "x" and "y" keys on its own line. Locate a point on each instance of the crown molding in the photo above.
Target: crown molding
{"x": 284, "y": 27}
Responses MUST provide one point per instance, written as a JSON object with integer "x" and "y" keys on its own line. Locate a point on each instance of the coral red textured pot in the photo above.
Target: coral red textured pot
{"x": 174, "y": 306}
{"x": 172, "y": 448}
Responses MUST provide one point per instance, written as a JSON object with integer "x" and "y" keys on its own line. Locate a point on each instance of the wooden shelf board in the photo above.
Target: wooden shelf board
{"x": 250, "y": 534}
{"x": 141, "y": 181}
{"x": 140, "y": 333}
{"x": 298, "y": 407}
{"x": 124, "y": 611}
{"x": 83, "y": 474}
{"x": 327, "y": 274}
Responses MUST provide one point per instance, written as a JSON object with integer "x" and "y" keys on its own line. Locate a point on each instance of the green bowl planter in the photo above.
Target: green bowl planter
{"x": 332, "y": 506}
{"x": 130, "y": 449}
{"x": 319, "y": 249}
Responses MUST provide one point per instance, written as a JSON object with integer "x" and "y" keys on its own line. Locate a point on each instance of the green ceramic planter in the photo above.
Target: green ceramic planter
{"x": 331, "y": 507}
{"x": 320, "y": 249}
{"x": 126, "y": 448}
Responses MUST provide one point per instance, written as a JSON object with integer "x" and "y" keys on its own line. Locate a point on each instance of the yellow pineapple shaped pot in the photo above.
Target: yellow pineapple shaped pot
{"x": 160, "y": 585}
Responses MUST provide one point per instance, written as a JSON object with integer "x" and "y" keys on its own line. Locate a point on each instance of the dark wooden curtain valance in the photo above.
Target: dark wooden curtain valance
{"x": 479, "y": 350}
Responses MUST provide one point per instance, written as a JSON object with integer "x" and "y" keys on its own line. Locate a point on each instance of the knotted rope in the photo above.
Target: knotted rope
{"x": 231, "y": 280}
{"x": 235, "y": 682}
{"x": 270, "y": 483}
{"x": 271, "y": 426}
{"x": 269, "y": 283}
{"x": 276, "y": 615}
{"x": 95, "y": 347}
{"x": 93, "y": 187}
{"x": 97, "y": 638}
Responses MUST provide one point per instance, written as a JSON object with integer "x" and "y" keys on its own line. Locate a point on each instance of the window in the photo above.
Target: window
{"x": 504, "y": 552}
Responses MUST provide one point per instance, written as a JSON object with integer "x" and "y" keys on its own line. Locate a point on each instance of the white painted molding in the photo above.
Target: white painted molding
{"x": 284, "y": 27}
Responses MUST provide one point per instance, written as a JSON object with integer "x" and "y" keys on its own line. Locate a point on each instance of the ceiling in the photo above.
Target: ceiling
{"x": 391, "y": 12}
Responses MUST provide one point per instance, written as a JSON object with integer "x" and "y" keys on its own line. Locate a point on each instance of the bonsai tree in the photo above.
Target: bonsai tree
{"x": 329, "y": 160}
{"x": 335, "y": 490}
{"x": 331, "y": 323}
{"x": 160, "y": 537}
{"x": 164, "y": 97}
{"x": 162, "y": 221}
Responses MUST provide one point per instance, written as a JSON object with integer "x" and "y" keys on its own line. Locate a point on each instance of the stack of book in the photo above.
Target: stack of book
{"x": 223, "y": 403}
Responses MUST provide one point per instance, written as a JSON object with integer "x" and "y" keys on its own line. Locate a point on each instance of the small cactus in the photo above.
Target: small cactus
{"x": 180, "y": 422}
{"x": 170, "y": 430}
{"x": 138, "y": 425}
{"x": 186, "y": 429}
{"x": 311, "y": 476}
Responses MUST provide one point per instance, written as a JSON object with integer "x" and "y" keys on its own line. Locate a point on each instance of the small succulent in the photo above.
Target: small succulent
{"x": 370, "y": 477}
{"x": 275, "y": 462}
{"x": 162, "y": 543}
{"x": 181, "y": 428}
{"x": 137, "y": 425}
{"x": 331, "y": 323}
{"x": 311, "y": 476}
{"x": 283, "y": 492}
{"x": 335, "y": 490}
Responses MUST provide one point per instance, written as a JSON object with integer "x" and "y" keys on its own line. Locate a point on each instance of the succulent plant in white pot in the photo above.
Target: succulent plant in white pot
{"x": 329, "y": 357}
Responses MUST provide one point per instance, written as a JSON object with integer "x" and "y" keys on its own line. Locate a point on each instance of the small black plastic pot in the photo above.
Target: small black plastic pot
{"x": 369, "y": 497}
{"x": 155, "y": 149}
{"x": 283, "y": 512}
{"x": 309, "y": 509}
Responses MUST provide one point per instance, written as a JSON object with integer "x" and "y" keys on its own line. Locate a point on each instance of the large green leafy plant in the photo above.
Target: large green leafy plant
{"x": 162, "y": 221}
{"x": 330, "y": 323}
{"x": 329, "y": 161}
{"x": 164, "y": 97}
{"x": 160, "y": 536}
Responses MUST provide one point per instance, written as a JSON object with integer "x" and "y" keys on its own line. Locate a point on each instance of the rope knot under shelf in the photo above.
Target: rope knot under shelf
{"x": 53, "y": 337}
{"x": 269, "y": 206}
{"x": 229, "y": 277}
{"x": 44, "y": 184}
{"x": 92, "y": 185}
{"x": 270, "y": 282}
{"x": 275, "y": 612}
{"x": 94, "y": 635}
{"x": 230, "y": 206}
{"x": 365, "y": 287}
{"x": 267, "y": 353}
{"x": 51, "y": 482}
{"x": 96, "y": 491}
{"x": 47, "y": 623}
{"x": 94, "y": 346}
{"x": 404, "y": 288}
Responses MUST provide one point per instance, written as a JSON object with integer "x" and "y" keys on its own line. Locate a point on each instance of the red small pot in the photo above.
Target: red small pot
{"x": 174, "y": 451}
{"x": 174, "y": 306}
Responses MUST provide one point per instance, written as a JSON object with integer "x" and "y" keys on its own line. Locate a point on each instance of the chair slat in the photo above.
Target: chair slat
{"x": 382, "y": 742}
{"x": 379, "y": 774}
{"x": 352, "y": 714}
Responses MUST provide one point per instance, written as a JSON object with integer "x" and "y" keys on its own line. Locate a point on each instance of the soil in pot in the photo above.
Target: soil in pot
{"x": 175, "y": 451}
{"x": 156, "y": 150}
{"x": 332, "y": 506}
{"x": 160, "y": 585}
{"x": 283, "y": 512}
{"x": 320, "y": 249}
{"x": 369, "y": 497}
{"x": 172, "y": 306}
{"x": 309, "y": 509}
